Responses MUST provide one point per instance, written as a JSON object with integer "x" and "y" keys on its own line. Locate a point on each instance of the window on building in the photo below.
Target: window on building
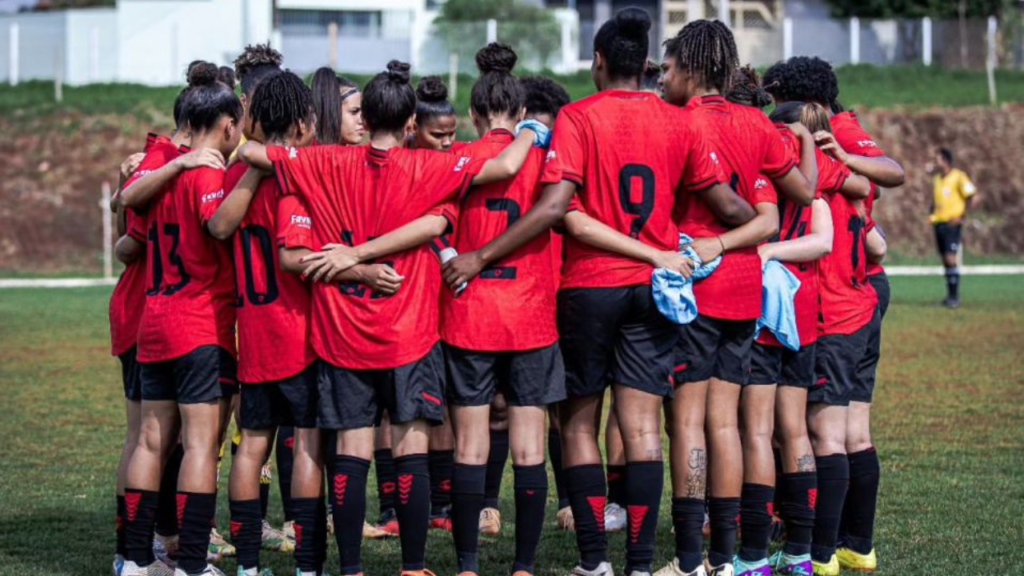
{"x": 352, "y": 24}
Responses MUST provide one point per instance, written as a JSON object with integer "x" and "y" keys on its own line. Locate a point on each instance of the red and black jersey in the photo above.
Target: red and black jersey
{"x": 190, "y": 297}
{"x": 272, "y": 306}
{"x": 847, "y": 299}
{"x": 511, "y": 304}
{"x": 855, "y": 140}
{"x": 795, "y": 222}
{"x": 631, "y": 156}
{"x": 129, "y": 296}
{"x": 748, "y": 146}
{"x": 355, "y": 194}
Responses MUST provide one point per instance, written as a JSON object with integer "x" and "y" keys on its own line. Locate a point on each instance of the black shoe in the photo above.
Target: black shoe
{"x": 951, "y": 303}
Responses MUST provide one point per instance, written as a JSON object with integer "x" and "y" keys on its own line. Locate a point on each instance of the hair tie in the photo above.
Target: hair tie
{"x": 349, "y": 93}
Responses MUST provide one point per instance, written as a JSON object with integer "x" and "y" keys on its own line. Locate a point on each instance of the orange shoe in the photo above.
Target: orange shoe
{"x": 490, "y": 521}
{"x": 388, "y": 522}
{"x": 521, "y": 573}
{"x": 423, "y": 572}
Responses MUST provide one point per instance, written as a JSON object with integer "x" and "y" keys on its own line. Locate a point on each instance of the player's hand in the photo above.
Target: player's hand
{"x": 330, "y": 261}
{"x": 131, "y": 164}
{"x": 672, "y": 260}
{"x": 707, "y": 248}
{"x": 829, "y": 145}
{"x": 202, "y": 158}
{"x": 799, "y": 130}
{"x": 765, "y": 252}
{"x": 382, "y": 278}
{"x": 462, "y": 268}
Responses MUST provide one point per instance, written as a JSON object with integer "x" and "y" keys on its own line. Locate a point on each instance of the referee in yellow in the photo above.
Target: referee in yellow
{"x": 954, "y": 193}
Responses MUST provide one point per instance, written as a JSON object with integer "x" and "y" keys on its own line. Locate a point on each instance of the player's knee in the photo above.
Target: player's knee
{"x": 529, "y": 455}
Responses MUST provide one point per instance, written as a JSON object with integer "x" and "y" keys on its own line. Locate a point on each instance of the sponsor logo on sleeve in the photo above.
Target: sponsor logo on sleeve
{"x": 462, "y": 163}
{"x": 212, "y": 196}
{"x": 302, "y": 221}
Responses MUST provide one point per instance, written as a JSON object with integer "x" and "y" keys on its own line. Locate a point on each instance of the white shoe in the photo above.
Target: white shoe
{"x": 603, "y": 569}
{"x": 638, "y": 573}
{"x": 165, "y": 548}
{"x": 118, "y": 564}
{"x": 614, "y": 518}
{"x": 673, "y": 569}
{"x": 726, "y": 569}
{"x": 157, "y": 568}
{"x": 210, "y": 570}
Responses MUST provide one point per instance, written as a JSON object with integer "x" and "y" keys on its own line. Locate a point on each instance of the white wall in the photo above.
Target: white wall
{"x": 41, "y": 44}
{"x": 92, "y": 52}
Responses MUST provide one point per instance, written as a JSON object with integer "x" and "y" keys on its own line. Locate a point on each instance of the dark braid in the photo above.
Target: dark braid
{"x": 747, "y": 90}
{"x": 280, "y": 102}
{"x": 706, "y": 49}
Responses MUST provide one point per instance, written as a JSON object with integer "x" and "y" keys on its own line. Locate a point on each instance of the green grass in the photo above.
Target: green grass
{"x": 949, "y": 428}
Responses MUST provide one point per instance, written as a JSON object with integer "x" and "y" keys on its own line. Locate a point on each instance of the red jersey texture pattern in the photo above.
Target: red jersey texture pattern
{"x": 748, "y": 146}
{"x": 190, "y": 300}
{"x": 855, "y": 140}
{"x": 511, "y": 304}
{"x": 355, "y": 194}
{"x": 847, "y": 300}
{"x": 129, "y": 297}
{"x": 272, "y": 306}
{"x": 633, "y": 157}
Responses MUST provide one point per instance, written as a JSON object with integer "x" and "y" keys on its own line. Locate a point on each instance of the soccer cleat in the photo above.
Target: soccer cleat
{"x": 276, "y": 540}
{"x": 673, "y": 569}
{"x": 253, "y": 572}
{"x": 165, "y": 549}
{"x": 726, "y": 569}
{"x": 603, "y": 569}
{"x": 289, "y": 530}
{"x": 157, "y": 568}
{"x": 371, "y": 532}
{"x": 565, "y": 519}
{"x": 951, "y": 303}
{"x": 614, "y": 518}
{"x": 756, "y": 568}
{"x": 219, "y": 547}
{"x": 118, "y": 564}
{"x": 210, "y": 570}
{"x": 830, "y": 568}
{"x": 850, "y": 559}
{"x": 490, "y": 521}
{"x": 786, "y": 565}
{"x": 388, "y": 522}
{"x": 442, "y": 520}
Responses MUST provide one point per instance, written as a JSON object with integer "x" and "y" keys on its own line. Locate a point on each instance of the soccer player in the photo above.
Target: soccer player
{"x": 338, "y": 104}
{"x": 953, "y": 196}
{"x": 186, "y": 339}
{"x": 379, "y": 352}
{"x": 436, "y": 121}
{"x": 625, "y": 155}
{"x": 712, "y": 362}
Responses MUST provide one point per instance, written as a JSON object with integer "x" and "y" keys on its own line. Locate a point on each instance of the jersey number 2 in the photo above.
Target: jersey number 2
{"x": 512, "y": 211}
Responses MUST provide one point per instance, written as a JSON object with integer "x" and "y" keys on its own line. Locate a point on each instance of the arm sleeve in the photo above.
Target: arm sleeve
{"x": 301, "y": 171}
{"x": 967, "y": 188}
{"x": 702, "y": 167}
{"x": 764, "y": 192}
{"x": 448, "y": 176}
{"x": 136, "y": 226}
{"x": 294, "y": 225}
{"x": 209, "y": 191}
{"x": 856, "y": 140}
{"x": 778, "y": 158}
{"x": 156, "y": 157}
{"x": 567, "y": 156}
{"x": 831, "y": 174}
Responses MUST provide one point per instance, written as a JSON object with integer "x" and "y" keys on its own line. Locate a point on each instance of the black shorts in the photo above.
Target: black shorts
{"x": 614, "y": 335}
{"x": 203, "y": 375}
{"x": 131, "y": 375}
{"x": 947, "y": 238}
{"x": 782, "y": 366}
{"x": 288, "y": 402}
{"x": 351, "y": 399}
{"x": 713, "y": 348}
{"x": 525, "y": 378}
{"x": 880, "y": 282}
{"x": 837, "y": 373}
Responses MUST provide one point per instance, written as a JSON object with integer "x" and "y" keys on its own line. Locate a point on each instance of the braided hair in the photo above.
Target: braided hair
{"x": 706, "y": 49}
{"x": 624, "y": 43}
{"x": 747, "y": 89}
{"x": 496, "y": 91}
{"x": 432, "y": 100}
{"x": 255, "y": 63}
{"x": 389, "y": 100}
{"x": 281, "y": 101}
{"x": 803, "y": 78}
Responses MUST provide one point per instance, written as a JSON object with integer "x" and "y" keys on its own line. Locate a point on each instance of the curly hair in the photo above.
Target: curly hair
{"x": 804, "y": 78}
{"x": 543, "y": 95}
{"x": 255, "y": 63}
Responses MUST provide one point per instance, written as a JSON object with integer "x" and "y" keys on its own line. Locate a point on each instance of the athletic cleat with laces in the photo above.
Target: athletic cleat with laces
{"x": 275, "y": 540}
{"x": 165, "y": 549}
{"x": 614, "y": 518}
{"x": 757, "y": 568}
{"x": 371, "y": 532}
{"x": 388, "y": 522}
{"x": 210, "y": 570}
{"x": 219, "y": 547}
{"x": 442, "y": 520}
{"x": 787, "y": 565}
{"x": 157, "y": 568}
{"x": 830, "y": 568}
{"x": 673, "y": 569}
{"x": 726, "y": 569}
{"x": 565, "y": 519}
{"x": 603, "y": 569}
{"x": 850, "y": 559}
{"x": 118, "y": 564}
{"x": 490, "y": 521}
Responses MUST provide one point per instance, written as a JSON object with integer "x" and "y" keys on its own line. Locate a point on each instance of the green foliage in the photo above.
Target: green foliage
{"x": 531, "y": 30}
{"x": 917, "y": 8}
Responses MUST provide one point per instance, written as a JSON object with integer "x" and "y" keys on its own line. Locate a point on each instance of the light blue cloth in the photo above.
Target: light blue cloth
{"x": 778, "y": 314}
{"x": 673, "y": 292}
{"x": 542, "y": 134}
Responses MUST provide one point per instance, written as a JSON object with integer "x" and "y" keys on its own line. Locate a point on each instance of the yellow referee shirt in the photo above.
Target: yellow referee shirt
{"x": 951, "y": 194}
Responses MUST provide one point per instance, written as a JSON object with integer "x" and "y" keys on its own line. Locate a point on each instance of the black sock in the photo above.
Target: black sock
{"x": 723, "y": 512}
{"x": 285, "y": 456}
{"x": 247, "y": 531}
{"x": 264, "y": 493}
{"x": 307, "y": 534}
{"x": 953, "y": 283}
{"x": 555, "y": 456}
{"x": 799, "y": 497}
{"x": 441, "y": 464}
{"x": 615, "y": 474}
{"x": 531, "y": 485}
{"x": 642, "y": 492}
{"x": 467, "y": 500}
{"x": 320, "y": 539}
{"x": 688, "y": 521}
{"x": 167, "y": 515}
{"x": 387, "y": 482}
{"x": 139, "y": 519}
{"x": 833, "y": 481}
{"x": 862, "y": 500}
{"x": 756, "y": 521}
{"x": 413, "y": 508}
{"x": 496, "y": 467}
{"x": 119, "y": 526}
{"x": 348, "y": 495}
{"x": 195, "y": 516}
{"x": 587, "y": 496}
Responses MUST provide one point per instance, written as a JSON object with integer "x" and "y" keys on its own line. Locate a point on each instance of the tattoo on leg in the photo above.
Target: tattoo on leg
{"x": 696, "y": 474}
{"x": 805, "y": 463}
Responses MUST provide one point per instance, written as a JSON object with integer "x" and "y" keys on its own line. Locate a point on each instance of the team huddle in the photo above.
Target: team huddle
{"x": 328, "y": 265}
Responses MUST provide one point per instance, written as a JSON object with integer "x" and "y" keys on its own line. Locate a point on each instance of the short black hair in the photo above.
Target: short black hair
{"x": 804, "y": 78}
{"x": 706, "y": 49}
{"x": 624, "y": 43}
{"x": 388, "y": 99}
{"x": 432, "y": 99}
{"x": 543, "y": 95}
{"x": 788, "y": 112}
{"x": 651, "y": 76}
{"x": 226, "y": 76}
{"x": 280, "y": 102}
{"x": 947, "y": 155}
{"x": 496, "y": 91}
{"x": 208, "y": 99}
{"x": 255, "y": 63}
{"x": 747, "y": 89}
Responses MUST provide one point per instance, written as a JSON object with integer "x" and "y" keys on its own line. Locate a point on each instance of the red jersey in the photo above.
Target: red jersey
{"x": 190, "y": 298}
{"x": 847, "y": 300}
{"x": 795, "y": 222}
{"x": 355, "y": 194}
{"x": 511, "y": 304}
{"x": 748, "y": 146}
{"x": 855, "y": 140}
{"x": 631, "y": 156}
{"x": 272, "y": 306}
{"x": 129, "y": 296}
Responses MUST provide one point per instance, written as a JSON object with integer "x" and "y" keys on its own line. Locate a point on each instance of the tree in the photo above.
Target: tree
{"x": 532, "y": 31}
{"x": 918, "y": 8}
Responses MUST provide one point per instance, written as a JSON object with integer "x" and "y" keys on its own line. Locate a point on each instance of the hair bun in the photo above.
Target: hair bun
{"x": 399, "y": 71}
{"x": 202, "y": 74}
{"x": 431, "y": 89}
{"x": 633, "y": 23}
{"x": 496, "y": 57}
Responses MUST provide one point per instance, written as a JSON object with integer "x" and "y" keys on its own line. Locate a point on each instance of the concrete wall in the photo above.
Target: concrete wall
{"x": 41, "y": 44}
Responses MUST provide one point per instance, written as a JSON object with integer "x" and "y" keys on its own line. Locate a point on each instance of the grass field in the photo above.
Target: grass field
{"x": 949, "y": 429}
